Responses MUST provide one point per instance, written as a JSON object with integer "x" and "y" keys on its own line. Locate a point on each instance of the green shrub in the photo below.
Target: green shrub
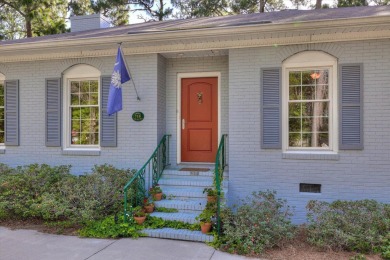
{"x": 261, "y": 222}
{"x": 52, "y": 193}
{"x": 348, "y": 225}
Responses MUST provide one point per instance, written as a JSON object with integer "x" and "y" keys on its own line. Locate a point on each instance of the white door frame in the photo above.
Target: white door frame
{"x": 181, "y": 76}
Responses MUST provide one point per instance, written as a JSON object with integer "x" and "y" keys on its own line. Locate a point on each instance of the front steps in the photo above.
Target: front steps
{"x": 184, "y": 192}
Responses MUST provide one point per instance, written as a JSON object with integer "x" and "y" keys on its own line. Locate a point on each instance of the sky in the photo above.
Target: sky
{"x": 134, "y": 19}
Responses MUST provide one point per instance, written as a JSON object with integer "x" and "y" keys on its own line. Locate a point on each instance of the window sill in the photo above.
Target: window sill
{"x": 81, "y": 152}
{"x": 311, "y": 155}
{"x": 2, "y": 150}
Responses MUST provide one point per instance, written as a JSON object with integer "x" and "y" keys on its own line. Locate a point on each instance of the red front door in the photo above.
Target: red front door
{"x": 199, "y": 119}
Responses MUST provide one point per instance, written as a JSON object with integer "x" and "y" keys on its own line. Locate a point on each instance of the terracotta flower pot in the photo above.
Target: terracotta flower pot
{"x": 157, "y": 196}
{"x": 149, "y": 208}
{"x": 139, "y": 220}
{"x": 205, "y": 227}
{"x": 211, "y": 198}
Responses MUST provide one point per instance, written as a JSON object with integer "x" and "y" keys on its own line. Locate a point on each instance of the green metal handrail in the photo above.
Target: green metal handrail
{"x": 154, "y": 166}
{"x": 220, "y": 163}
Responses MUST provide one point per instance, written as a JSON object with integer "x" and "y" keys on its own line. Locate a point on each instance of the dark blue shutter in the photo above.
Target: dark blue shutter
{"x": 108, "y": 131}
{"x": 351, "y": 106}
{"x": 53, "y": 112}
{"x": 11, "y": 112}
{"x": 271, "y": 108}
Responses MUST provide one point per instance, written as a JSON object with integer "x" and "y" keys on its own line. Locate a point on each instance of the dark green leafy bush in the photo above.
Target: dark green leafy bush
{"x": 348, "y": 225}
{"x": 262, "y": 221}
{"x": 52, "y": 193}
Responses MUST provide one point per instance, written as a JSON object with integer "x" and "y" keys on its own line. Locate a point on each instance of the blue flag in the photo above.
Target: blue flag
{"x": 119, "y": 76}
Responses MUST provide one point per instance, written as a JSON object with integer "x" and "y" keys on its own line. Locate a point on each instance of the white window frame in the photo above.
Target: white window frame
{"x": 2, "y": 81}
{"x": 81, "y": 72}
{"x": 311, "y": 60}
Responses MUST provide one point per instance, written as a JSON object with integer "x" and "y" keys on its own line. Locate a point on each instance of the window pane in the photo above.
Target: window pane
{"x": 295, "y": 78}
{"x": 307, "y": 124}
{"x": 94, "y": 87}
{"x": 322, "y": 92}
{"x": 306, "y": 140}
{"x": 1, "y": 125}
{"x": 308, "y": 93}
{"x": 323, "y": 140}
{"x": 84, "y": 99}
{"x": 294, "y": 140}
{"x": 75, "y": 99}
{"x": 307, "y": 78}
{"x": 1, "y": 90}
{"x": 323, "y": 124}
{"x": 74, "y": 87}
{"x": 294, "y": 125}
{"x": 295, "y": 93}
{"x": 94, "y": 99}
{"x": 84, "y": 87}
{"x": 294, "y": 109}
{"x": 1, "y": 137}
{"x": 76, "y": 113}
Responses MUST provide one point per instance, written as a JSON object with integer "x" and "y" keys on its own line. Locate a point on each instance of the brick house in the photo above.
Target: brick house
{"x": 304, "y": 97}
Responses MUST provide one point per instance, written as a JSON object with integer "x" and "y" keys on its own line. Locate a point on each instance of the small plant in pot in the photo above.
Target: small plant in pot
{"x": 211, "y": 194}
{"x": 205, "y": 220}
{"x": 148, "y": 205}
{"x": 156, "y": 192}
{"x": 139, "y": 215}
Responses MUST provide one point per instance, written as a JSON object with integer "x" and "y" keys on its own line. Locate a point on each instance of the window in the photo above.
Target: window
{"x": 82, "y": 107}
{"x": 308, "y": 108}
{"x": 84, "y": 112}
{"x": 2, "y": 120}
{"x": 309, "y": 102}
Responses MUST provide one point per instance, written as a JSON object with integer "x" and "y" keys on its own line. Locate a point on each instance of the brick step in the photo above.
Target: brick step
{"x": 178, "y": 234}
{"x": 173, "y": 171}
{"x": 186, "y": 217}
{"x": 178, "y": 192}
{"x": 190, "y": 204}
{"x": 182, "y": 181}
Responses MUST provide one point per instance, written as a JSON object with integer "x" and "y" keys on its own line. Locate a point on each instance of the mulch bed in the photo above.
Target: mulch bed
{"x": 41, "y": 226}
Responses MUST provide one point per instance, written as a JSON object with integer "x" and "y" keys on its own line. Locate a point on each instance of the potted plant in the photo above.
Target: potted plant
{"x": 205, "y": 220}
{"x": 139, "y": 215}
{"x": 148, "y": 205}
{"x": 211, "y": 194}
{"x": 156, "y": 192}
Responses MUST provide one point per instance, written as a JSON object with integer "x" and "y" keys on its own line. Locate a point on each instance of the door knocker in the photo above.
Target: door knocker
{"x": 200, "y": 97}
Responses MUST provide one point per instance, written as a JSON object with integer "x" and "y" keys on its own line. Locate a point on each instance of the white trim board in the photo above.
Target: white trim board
{"x": 181, "y": 76}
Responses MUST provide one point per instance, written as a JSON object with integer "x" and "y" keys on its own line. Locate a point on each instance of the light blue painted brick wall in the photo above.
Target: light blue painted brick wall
{"x": 356, "y": 175}
{"x": 161, "y": 96}
{"x": 136, "y": 140}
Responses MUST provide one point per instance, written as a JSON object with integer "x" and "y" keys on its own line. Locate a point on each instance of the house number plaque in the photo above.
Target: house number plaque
{"x": 138, "y": 116}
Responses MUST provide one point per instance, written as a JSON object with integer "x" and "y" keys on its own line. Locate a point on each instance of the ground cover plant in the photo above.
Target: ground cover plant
{"x": 111, "y": 228}
{"x": 361, "y": 226}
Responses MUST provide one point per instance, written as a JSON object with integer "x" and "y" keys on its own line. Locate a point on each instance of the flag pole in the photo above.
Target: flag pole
{"x": 131, "y": 77}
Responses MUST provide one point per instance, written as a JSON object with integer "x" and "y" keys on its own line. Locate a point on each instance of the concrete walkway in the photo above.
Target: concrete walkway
{"x": 31, "y": 245}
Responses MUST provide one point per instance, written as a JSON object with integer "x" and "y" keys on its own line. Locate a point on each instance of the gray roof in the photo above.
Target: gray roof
{"x": 278, "y": 17}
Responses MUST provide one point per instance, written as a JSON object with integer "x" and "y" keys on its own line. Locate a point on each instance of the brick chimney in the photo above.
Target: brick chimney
{"x": 88, "y": 22}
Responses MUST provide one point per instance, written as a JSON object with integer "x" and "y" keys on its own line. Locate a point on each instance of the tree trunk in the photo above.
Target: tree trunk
{"x": 318, "y": 4}
{"x": 28, "y": 28}
{"x": 161, "y": 16}
{"x": 262, "y": 6}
